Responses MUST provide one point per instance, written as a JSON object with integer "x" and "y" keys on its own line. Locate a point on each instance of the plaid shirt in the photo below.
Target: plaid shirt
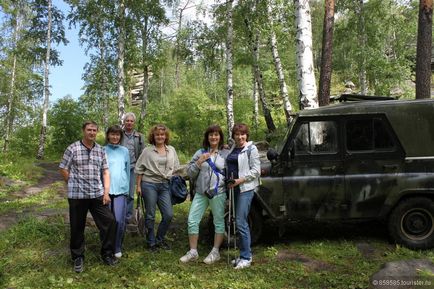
{"x": 85, "y": 168}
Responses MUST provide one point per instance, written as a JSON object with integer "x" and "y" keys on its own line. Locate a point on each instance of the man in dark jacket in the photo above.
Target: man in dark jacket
{"x": 134, "y": 142}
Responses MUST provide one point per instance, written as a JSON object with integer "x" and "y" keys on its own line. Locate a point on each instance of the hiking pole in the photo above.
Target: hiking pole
{"x": 229, "y": 222}
{"x": 234, "y": 218}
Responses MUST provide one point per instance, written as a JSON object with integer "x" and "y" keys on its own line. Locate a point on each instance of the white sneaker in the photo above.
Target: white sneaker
{"x": 118, "y": 255}
{"x": 212, "y": 257}
{"x": 243, "y": 264}
{"x": 235, "y": 261}
{"x": 189, "y": 256}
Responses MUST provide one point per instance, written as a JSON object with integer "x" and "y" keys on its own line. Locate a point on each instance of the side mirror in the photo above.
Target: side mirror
{"x": 272, "y": 155}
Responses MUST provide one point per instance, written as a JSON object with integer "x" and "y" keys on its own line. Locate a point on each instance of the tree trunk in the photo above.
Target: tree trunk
{"x": 255, "y": 96}
{"x": 229, "y": 85}
{"x": 121, "y": 57}
{"x": 9, "y": 113}
{"x": 258, "y": 76}
{"x": 104, "y": 95}
{"x": 145, "y": 87}
{"x": 305, "y": 69}
{"x": 423, "y": 55}
{"x": 362, "y": 44}
{"x": 177, "y": 46}
{"x": 9, "y": 116}
{"x": 43, "y": 134}
{"x": 278, "y": 66}
{"x": 327, "y": 52}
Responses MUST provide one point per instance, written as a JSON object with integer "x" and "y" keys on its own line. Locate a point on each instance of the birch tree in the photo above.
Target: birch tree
{"x": 148, "y": 17}
{"x": 121, "y": 57}
{"x": 362, "y": 43}
{"x": 305, "y": 69}
{"x": 258, "y": 76}
{"x": 96, "y": 19}
{"x": 17, "y": 26}
{"x": 326, "y": 55}
{"x": 43, "y": 134}
{"x": 229, "y": 84}
{"x": 180, "y": 13}
{"x": 423, "y": 54}
{"x": 278, "y": 65}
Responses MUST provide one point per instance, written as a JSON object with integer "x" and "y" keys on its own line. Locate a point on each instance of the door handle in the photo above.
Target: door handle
{"x": 390, "y": 167}
{"x": 330, "y": 168}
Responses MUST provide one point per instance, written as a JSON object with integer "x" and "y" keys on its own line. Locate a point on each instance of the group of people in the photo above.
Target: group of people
{"x": 104, "y": 180}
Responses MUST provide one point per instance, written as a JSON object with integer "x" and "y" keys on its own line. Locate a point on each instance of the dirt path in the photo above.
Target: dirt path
{"x": 50, "y": 175}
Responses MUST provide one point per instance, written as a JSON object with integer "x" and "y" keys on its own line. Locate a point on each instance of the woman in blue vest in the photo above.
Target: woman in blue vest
{"x": 206, "y": 170}
{"x": 244, "y": 170}
{"x": 119, "y": 167}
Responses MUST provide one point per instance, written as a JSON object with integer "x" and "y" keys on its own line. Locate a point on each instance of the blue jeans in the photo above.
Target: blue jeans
{"x": 156, "y": 194}
{"x": 119, "y": 210}
{"x": 130, "y": 198}
{"x": 242, "y": 205}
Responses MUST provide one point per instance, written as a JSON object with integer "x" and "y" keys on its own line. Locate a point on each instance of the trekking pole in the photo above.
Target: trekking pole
{"x": 229, "y": 223}
{"x": 234, "y": 218}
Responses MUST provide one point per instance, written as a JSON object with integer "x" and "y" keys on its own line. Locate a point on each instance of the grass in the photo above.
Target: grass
{"x": 35, "y": 254}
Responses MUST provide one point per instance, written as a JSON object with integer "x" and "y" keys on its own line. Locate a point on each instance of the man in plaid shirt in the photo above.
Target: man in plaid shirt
{"x": 84, "y": 168}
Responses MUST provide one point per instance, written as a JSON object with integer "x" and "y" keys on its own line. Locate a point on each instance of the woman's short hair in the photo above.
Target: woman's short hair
{"x": 213, "y": 128}
{"x": 154, "y": 129}
{"x": 114, "y": 129}
{"x": 240, "y": 128}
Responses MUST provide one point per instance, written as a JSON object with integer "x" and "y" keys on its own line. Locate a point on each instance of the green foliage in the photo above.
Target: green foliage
{"x": 15, "y": 167}
{"x": 389, "y": 52}
{"x": 187, "y": 114}
{"x": 65, "y": 118}
{"x": 24, "y": 141}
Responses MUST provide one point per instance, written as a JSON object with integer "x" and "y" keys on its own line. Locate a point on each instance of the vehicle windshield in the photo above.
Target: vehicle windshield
{"x": 281, "y": 145}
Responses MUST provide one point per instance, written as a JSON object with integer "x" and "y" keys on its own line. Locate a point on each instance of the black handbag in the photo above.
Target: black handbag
{"x": 178, "y": 189}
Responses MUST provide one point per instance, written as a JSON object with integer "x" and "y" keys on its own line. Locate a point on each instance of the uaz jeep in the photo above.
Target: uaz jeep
{"x": 351, "y": 161}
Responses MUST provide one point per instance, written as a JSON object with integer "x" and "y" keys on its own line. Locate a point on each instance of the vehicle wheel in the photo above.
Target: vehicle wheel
{"x": 412, "y": 223}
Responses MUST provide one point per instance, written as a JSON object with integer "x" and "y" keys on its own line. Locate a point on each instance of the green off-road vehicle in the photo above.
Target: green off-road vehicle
{"x": 355, "y": 161}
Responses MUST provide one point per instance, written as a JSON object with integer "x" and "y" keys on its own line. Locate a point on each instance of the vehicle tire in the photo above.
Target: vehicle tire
{"x": 411, "y": 223}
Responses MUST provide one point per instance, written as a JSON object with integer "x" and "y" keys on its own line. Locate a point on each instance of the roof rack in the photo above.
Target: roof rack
{"x": 359, "y": 97}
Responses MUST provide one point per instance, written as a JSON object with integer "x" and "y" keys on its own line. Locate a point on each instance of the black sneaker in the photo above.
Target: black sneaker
{"x": 110, "y": 260}
{"x": 78, "y": 264}
{"x": 153, "y": 248}
{"x": 163, "y": 245}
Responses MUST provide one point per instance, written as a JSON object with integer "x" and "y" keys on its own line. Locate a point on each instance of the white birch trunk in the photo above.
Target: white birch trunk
{"x": 305, "y": 69}
{"x": 145, "y": 86}
{"x": 362, "y": 44}
{"x": 11, "y": 96}
{"x": 177, "y": 48}
{"x": 278, "y": 66}
{"x": 229, "y": 84}
{"x": 121, "y": 56}
{"x": 104, "y": 95}
{"x": 255, "y": 97}
{"x": 43, "y": 134}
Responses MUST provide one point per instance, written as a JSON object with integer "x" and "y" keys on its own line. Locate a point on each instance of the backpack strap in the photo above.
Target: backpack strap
{"x": 214, "y": 168}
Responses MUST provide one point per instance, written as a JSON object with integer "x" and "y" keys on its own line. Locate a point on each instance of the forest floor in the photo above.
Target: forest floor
{"x": 50, "y": 175}
{"x": 34, "y": 230}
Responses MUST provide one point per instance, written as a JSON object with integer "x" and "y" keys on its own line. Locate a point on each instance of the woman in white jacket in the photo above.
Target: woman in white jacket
{"x": 244, "y": 167}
